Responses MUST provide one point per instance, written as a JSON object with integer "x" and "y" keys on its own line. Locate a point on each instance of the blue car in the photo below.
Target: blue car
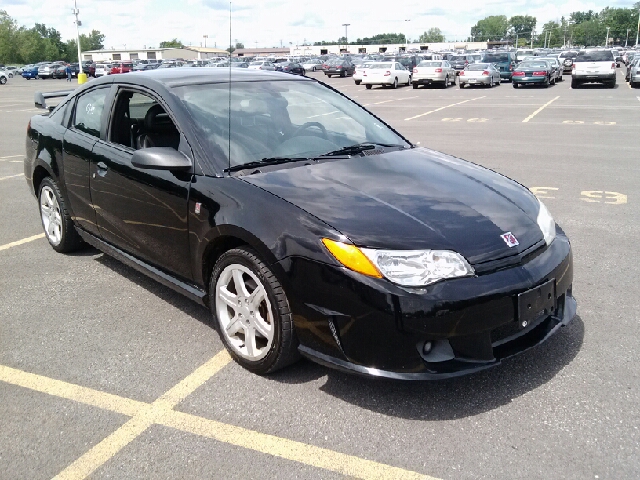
{"x": 31, "y": 72}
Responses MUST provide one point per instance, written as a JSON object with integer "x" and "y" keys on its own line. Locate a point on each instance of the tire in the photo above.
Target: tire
{"x": 415, "y": 86}
{"x": 368, "y": 87}
{"x": 3, "y": 80}
{"x": 395, "y": 82}
{"x": 546, "y": 83}
{"x": 633, "y": 84}
{"x": 343, "y": 74}
{"x": 56, "y": 222}
{"x": 612, "y": 84}
{"x": 257, "y": 310}
{"x": 491, "y": 82}
{"x": 357, "y": 82}
{"x": 552, "y": 82}
{"x": 515, "y": 85}
{"x": 446, "y": 82}
{"x": 409, "y": 81}
{"x": 574, "y": 84}
{"x": 461, "y": 85}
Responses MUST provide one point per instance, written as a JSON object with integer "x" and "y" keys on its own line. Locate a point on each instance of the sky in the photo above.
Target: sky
{"x": 268, "y": 23}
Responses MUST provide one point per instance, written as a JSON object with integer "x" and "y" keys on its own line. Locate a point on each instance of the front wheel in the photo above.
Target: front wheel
{"x": 252, "y": 312}
{"x": 56, "y": 221}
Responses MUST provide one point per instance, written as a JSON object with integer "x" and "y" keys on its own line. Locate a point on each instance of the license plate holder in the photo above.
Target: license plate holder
{"x": 538, "y": 301}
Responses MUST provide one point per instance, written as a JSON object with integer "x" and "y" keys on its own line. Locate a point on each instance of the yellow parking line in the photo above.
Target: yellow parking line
{"x": 526, "y": 120}
{"x": 442, "y": 108}
{"x": 110, "y": 446}
{"x": 21, "y": 242}
{"x": 12, "y": 176}
{"x": 161, "y": 412}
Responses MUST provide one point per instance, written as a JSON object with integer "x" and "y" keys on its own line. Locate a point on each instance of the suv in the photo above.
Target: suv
{"x": 504, "y": 61}
{"x": 566, "y": 58}
{"x": 596, "y": 65}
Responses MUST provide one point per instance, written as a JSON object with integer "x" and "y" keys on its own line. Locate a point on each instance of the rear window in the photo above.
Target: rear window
{"x": 568, "y": 55}
{"x": 497, "y": 58}
{"x": 533, "y": 64}
{"x": 458, "y": 58}
{"x": 594, "y": 56}
{"x": 430, "y": 64}
{"x": 380, "y": 65}
{"x": 477, "y": 66}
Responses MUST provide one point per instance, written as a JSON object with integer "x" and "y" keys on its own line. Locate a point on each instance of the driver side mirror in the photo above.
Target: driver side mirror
{"x": 160, "y": 158}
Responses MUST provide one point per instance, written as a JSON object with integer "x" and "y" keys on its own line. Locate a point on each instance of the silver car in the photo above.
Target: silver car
{"x": 433, "y": 71}
{"x": 480, "y": 74}
{"x": 634, "y": 74}
{"x": 261, "y": 65}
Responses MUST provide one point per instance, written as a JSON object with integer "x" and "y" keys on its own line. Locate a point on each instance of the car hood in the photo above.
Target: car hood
{"x": 412, "y": 199}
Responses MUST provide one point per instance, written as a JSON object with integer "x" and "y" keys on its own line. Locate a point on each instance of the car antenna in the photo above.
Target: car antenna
{"x": 230, "y": 50}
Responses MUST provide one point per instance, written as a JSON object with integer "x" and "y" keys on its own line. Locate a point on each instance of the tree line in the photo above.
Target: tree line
{"x": 22, "y": 45}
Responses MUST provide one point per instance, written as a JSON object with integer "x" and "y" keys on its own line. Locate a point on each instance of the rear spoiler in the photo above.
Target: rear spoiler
{"x": 40, "y": 97}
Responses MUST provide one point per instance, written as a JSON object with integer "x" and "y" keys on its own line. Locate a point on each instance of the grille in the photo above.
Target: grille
{"x": 512, "y": 330}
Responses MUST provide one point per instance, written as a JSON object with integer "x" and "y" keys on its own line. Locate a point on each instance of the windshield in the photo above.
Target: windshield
{"x": 294, "y": 119}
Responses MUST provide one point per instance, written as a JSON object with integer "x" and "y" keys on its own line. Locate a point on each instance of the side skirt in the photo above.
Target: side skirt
{"x": 192, "y": 292}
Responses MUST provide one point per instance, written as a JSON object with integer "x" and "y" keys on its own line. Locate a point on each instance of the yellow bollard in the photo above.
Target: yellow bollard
{"x": 82, "y": 78}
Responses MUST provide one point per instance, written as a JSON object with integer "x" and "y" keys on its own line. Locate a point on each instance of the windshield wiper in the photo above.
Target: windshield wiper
{"x": 266, "y": 161}
{"x": 359, "y": 148}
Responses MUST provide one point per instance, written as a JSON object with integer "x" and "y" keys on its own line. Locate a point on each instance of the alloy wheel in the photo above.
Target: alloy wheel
{"x": 51, "y": 217}
{"x": 244, "y": 312}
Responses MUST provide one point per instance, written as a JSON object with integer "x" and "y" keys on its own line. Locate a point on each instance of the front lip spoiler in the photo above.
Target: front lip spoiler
{"x": 349, "y": 367}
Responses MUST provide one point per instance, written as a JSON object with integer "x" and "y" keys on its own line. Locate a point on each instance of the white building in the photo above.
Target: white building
{"x": 389, "y": 48}
{"x": 185, "y": 53}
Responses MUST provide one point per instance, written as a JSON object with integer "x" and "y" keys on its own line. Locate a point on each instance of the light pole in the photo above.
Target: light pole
{"x": 406, "y": 40}
{"x": 627, "y": 39}
{"x": 346, "y": 38}
{"x": 638, "y": 30}
{"x": 82, "y": 77}
{"x": 606, "y": 42}
{"x": 205, "y": 40}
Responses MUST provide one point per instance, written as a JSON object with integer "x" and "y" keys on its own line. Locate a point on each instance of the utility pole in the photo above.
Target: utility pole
{"x": 627, "y": 39}
{"x": 346, "y": 38}
{"x": 82, "y": 77}
{"x": 638, "y": 30}
{"x": 606, "y": 43}
{"x": 406, "y": 40}
{"x": 532, "y": 33}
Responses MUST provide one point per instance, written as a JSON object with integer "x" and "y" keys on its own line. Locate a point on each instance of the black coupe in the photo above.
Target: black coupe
{"x": 305, "y": 223}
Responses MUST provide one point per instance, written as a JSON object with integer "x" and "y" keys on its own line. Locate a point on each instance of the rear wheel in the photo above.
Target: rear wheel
{"x": 612, "y": 84}
{"x": 515, "y": 85}
{"x": 3, "y": 80}
{"x": 343, "y": 74}
{"x": 415, "y": 85}
{"x": 252, "y": 312}
{"x": 409, "y": 81}
{"x": 574, "y": 84}
{"x": 446, "y": 81}
{"x": 368, "y": 87}
{"x": 461, "y": 85}
{"x": 491, "y": 82}
{"x": 56, "y": 221}
{"x": 395, "y": 82}
{"x": 357, "y": 82}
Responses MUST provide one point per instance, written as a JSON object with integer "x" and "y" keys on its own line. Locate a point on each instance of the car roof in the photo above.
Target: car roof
{"x": 174, "y": 77}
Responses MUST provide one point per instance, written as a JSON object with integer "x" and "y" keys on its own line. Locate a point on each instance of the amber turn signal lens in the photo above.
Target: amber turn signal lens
{"x": 351, "y": 257}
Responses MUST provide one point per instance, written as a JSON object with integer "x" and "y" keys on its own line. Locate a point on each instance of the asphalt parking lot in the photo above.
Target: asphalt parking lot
{"x": 105, "y": 373}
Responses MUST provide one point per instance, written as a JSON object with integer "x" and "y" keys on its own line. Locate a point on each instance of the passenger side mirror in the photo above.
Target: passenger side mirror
{"x": 160, "y": 158}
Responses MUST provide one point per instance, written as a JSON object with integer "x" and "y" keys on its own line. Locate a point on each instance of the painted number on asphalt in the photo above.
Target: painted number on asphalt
{"x": 543, "y": 192}
{"x": 599, "y": 196}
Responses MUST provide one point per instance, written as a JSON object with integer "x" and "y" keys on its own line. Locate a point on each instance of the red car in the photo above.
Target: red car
{"x": 124, "y": 67}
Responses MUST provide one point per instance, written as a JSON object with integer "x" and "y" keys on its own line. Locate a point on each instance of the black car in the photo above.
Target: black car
{"x": 340, "y": 67}
{"x": 290, "y": 67}
{"x": 335, "y": 238}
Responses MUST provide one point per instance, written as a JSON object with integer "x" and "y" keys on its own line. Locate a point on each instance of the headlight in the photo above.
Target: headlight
{"x": 546, "y": 223}
{"x": 409, "y": 268}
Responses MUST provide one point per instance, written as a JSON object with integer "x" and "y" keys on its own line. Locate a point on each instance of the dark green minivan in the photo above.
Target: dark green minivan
{"x": 504, "y": 61}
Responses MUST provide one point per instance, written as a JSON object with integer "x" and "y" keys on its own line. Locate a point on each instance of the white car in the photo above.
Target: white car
{"x": 313, "y": 65}
{"x": 103, "y": 69}
{"x": 594, "y": 66}
{"x": 387, "y": 74}
{"x": 360, "y": 71}
{"x": 3, "y": 77}
{"x": 260, "y": 65}
{"x": 436, "y": 71}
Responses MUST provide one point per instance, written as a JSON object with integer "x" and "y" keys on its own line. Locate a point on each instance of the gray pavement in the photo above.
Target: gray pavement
{"x": 567, "y": 409}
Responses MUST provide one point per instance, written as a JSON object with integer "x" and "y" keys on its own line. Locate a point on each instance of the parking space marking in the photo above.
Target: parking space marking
{"x": 599, "y": 196}
{"x": 10, "y": 156}
{"x": 543, "y": 192}
{"x": 442, "y": 108}
{"x": 11, "y": 176}
{"x": 526, "y": 120}
{"x": 385, "y": 101}
{"x": 161, "y": 412}
{"x": 323, "y": 114}
{"x": 7, "y": 246}
{"x": 143, "y": 419}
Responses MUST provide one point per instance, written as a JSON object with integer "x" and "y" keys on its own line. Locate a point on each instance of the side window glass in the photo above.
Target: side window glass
{"x": 89, "y": 111}
{"x": 59, "y": 114}
{"x": 139, "y": 121}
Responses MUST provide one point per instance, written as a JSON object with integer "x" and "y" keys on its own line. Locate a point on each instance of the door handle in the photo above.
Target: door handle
{"x": 102, "y": 169}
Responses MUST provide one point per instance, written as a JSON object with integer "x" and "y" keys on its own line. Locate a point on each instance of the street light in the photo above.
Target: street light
{"x": 638, "y": 30}
{"x": 82, "y": 77}
{"x": 205, "y": 40}
{"x": 627, "y": 39}
{"x": 406, "y": 40}
{"x": 346, "y": 38}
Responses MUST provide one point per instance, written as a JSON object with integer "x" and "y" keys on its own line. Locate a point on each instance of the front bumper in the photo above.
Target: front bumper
{"x": 371, "y": 327}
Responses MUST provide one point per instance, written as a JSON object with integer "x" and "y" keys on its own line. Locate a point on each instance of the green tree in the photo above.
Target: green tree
{"x": 175, "y": 43}
{"x": 490, "y": 28}
{"x": 522, "y": 25}
{"x": 433, "y": 35}
{"x": 239, "y": 45}
{"x": 589, "y": 33}
{"x": 8, "y": 32}
{"x": 93, "y": 41}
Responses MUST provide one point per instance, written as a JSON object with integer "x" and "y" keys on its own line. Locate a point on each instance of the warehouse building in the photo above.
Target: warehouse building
{"x": 185, "y": 53}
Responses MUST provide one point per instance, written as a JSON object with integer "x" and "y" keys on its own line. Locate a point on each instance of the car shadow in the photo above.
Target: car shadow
{"x": 176, "y": 300}
{"x": 452, "y": 398}
{"x": 595, "y": 86}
